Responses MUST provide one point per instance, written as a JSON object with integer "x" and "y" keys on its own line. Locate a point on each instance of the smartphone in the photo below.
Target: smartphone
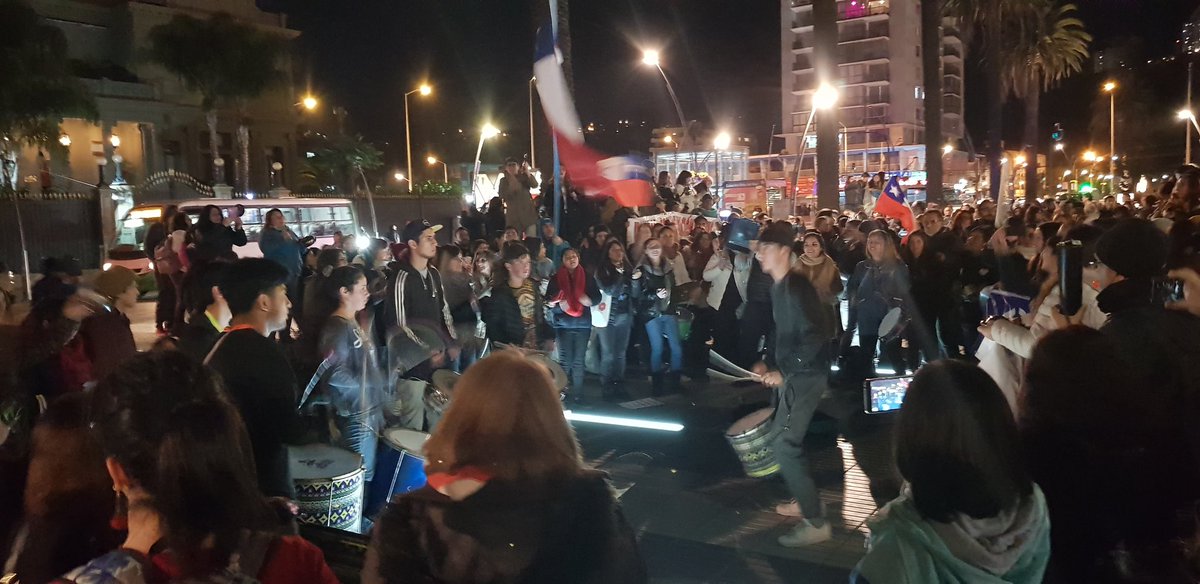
{"x": 885, "y": 394}
{"x": 1070, "y": 276}
{"x": 1172, "y": 290}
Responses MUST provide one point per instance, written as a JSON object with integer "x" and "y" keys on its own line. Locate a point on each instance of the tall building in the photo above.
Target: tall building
{"x": 881, "y": 98}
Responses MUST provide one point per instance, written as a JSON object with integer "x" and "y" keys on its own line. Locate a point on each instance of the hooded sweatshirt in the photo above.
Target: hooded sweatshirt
{"x": 905, "y": 548}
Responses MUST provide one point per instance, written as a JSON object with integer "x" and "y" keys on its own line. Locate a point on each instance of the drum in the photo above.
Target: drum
{"x": 438, "y": 393}
{"x": 751, "y": 439}
{"x": 892, "y": 325}
{"x": 329, "y": 485}
{"x": 399, "y": 467}
{"x": 557, "y": 374}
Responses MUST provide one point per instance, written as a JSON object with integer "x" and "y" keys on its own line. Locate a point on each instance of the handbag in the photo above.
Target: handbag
{"x": 601, "y": 311}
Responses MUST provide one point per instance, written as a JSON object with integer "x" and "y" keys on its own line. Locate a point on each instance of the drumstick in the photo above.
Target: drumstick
{"x": 722, "y": 376}
{"x": 716, "y": 359}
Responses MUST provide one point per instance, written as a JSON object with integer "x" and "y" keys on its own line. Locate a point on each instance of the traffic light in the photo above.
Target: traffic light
{"x": 1057, "y": 134}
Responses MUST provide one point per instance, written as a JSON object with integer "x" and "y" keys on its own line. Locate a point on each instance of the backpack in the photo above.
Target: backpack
{"x": 166, "y": 261}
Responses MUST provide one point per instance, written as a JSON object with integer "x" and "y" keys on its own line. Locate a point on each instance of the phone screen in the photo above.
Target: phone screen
{"x": 884, "y": 394}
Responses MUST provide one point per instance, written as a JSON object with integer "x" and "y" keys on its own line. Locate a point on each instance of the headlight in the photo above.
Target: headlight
{"x": 107, "y": 265}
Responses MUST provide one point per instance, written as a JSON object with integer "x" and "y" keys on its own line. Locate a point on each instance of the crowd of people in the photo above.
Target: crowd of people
{"x": 1007, "y": 427}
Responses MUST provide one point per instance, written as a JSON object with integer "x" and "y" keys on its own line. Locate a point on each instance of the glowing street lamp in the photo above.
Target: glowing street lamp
{"x": 947, "y": 149}
{"x": 825, "y": 97}
{"x": 309, "y": 103}
{"x": 65, "y": 140}
{"x": 1110, "y": 88}
{"x": 424, "y": 90}
{"x": 115, "y": 140}
{"x": 488, "y": 131}
{"x": 1020, "y": 159}
{"x": 721, "y": 142}
{"x": 1089, "y": 156}
{"x": 445, "y": 173}
{"x": 399, "y": 176}
{"x": 650, "y": 58}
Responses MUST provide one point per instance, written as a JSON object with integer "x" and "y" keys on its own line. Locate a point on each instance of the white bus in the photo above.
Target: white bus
{"x": 321, "y": 218}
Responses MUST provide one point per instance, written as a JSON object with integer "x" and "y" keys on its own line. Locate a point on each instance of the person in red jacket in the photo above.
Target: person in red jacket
{"x": 183, "y": 473}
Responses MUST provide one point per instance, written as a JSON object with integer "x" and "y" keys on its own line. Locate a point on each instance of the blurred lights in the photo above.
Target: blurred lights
{"x": 721, "y": 142}
{"x": 650, "y": 57}
{"x": 309, "y": 102}
{"x": 489, "y": 131}
{"x": 825, "y": 97}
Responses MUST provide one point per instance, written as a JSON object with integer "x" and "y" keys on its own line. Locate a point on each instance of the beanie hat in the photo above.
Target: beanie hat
{"x": 1133, "y": 248}
{"x": 780, "y": 233}
{"x": 114, "y": 281}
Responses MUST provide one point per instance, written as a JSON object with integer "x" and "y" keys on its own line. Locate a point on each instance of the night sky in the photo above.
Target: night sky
{"x": 722, "y": 56}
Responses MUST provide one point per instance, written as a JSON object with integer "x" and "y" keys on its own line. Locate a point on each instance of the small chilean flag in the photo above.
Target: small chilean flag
{"x": 625, "y": 178}
{"x": 891, "y": 203}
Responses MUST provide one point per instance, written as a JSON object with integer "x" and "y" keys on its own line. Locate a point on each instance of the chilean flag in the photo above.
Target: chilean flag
{"x": 891, "y": 203}
{"x": 625, "y": 178}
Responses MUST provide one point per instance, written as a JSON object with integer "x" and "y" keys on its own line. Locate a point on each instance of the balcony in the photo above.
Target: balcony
{"x": 860, "y": 53}
{"x": 952, "y": 104}
{"x": 865, "y": 116}
{"x": 120, "y": 89}
{"x": 952, "y": 86}
{"x": 878, "y": 76}
{"x": 952, "y": 52}
{"x": 851, "y": 10}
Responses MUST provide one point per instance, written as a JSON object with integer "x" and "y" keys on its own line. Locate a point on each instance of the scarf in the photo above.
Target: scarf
{"x": 804, "y": 259}
{"x": 570, "y": 286}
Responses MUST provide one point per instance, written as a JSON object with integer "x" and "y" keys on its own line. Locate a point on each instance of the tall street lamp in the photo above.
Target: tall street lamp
{"x": 1188, "y": 115}
{"x": 488, "y": 131}
{"x": 825, "y": 97}
{"x": 309, "y": 103}
{"x": 1110, "y": 88}
{"x": 532, "y": 154}
{"x": 650, "y": 57}
{"x": 424, "y": 90}
{"x": 445, "y": 173}
{"x": 721, "y": 142}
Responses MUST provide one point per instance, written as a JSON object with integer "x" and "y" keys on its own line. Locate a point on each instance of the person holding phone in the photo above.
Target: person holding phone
{"x": 514, "y": 190}
{"x": 797, "y": 365}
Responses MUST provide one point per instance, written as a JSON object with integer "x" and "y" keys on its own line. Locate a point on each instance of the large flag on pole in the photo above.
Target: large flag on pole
{"x": 892, "y": 204}
{"x": 625, "y": 178}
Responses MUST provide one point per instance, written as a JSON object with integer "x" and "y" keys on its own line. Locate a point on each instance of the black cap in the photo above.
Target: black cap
{"x": 1133, "y": 248}
{"x": 779, "y": 232}
{"x": 413, "y": 230}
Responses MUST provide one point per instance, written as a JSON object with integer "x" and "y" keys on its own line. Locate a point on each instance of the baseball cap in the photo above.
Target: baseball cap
{"x": 413, "y": 229}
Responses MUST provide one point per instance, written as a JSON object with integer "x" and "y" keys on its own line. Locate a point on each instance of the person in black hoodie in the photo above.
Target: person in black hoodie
{"x": 508, "y": 497}
{"x": 214, "y": 239}
{"x": 513, "y": 313}
{"x": 256, "y": 372}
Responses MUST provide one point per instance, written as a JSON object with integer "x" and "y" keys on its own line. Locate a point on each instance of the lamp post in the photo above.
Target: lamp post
{"x": 101, "y": 162}
{"x": 824, "y": 97}
{"x": 1190, "y": 116}
{"x": 650, "y": 57}
{"x": 1111, "y": 87}
{"x": 424, "y": 89}
{"x": 532, "y": 153}
{"x": 488, "y": 131}
{"x": 445, "y": 173}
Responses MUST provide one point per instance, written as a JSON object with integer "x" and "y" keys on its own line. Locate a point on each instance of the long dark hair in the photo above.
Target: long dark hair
{"x": 168, "y": 423}
{"x": 331, "y": 287}
{"x": 957, "y": 444}
{"x": 606, "y": 272}
{"x": 204, "y": 222}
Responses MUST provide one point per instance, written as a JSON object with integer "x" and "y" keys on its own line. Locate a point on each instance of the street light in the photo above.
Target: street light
{"x": 65, "y": 140}
{"x": 399, "y": 176}
{"x": 115, "y": 140}
{"x": 488, "y": 131}
{"x": 1110, "y": 88}
{"x": 825, "y": 97}
{"x": 1186, "y": 114}
{"x": 650, "y": 57}
{"x": 1059, "y": 147}
{"x": 1089, "y": 156}
{"x": 1020, "y": 159}
{"x": 532, "y": 146}
{"x": 424, "y": 90}
{"x": 947, "y": 149}
{"x": 309, "y": 102}
{"x": 445, "y": 173}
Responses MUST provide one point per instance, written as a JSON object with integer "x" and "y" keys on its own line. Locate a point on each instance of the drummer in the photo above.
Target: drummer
{"x": 797, "y": 365}
{"x": 354, "y": 383}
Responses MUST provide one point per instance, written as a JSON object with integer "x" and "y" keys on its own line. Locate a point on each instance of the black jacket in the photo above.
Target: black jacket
{"x": 620, "y": 289}
{"x": 198, "y": 337}
{"x": 645, "y": 290}
{"x": 571, "y": 532}
{"x": 502, "y": 315}
{"x": 217, "y": 241}
{"x": 415, "y": 303}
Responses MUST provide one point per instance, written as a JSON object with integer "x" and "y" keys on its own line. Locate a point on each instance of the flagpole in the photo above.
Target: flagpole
{"x": 556, "y": 179}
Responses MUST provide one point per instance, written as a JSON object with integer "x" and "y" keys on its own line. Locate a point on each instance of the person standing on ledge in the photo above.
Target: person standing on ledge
{"x": 797, "y": 365}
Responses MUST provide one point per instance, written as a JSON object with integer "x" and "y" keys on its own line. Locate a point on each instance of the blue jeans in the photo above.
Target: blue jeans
{"x": 614, "y": 340}
{"x": 656, "y": 328}
{"x": 360, "y": 434}
{"x": 572, "y": 350}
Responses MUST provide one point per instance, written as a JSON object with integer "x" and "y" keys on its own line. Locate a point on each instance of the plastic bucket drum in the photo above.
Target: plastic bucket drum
{"x": 329, "y": 485}
{"x": 751, "y": 439}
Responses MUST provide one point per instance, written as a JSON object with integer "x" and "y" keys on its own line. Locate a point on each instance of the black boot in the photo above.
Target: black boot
{"x": 673, "y": 379}
{"x": 656, "y": 384}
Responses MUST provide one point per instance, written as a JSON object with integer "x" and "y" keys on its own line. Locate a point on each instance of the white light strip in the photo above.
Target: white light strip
{"x": 627, "y": 422}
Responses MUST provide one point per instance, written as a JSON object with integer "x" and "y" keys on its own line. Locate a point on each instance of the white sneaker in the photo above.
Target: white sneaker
{"x": 789, "y": 509}
{"x": 805, "y": 534}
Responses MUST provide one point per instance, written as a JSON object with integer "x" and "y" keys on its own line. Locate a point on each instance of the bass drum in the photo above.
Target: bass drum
{"x": 329, "y": 485}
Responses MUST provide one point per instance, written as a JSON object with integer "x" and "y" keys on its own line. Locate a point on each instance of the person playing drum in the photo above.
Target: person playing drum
{"x": 797, "y": 365}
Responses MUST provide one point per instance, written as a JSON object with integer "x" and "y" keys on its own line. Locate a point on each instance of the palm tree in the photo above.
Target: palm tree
{"x": 226, "y": 62}
{"x": 1050, "y": 46}
{"x": 932, "y": 13}
{"x": 990, "y": 18}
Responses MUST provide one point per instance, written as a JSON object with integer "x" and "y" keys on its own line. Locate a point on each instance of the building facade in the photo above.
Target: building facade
{"x": 880, "y": 107}
{"x": 150, "y": 125}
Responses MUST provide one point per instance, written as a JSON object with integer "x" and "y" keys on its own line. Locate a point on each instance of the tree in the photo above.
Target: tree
{"x": 340, "y": 161}
{"x": 1050, "y": 45}
{"x": 37, "y": 88}
{"x": 932, "y": 13}
{"x": 990, "y": 17}
{"x": 227, "y": 63}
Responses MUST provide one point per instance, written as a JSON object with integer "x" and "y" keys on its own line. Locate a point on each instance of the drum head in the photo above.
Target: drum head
{"x": 410, "y": 441}
{"x": 889, "y": 322}
{"x": 321, "y": 461}
{"x": 557, "y": 374}
{"x": 750, "y": 422}
{"x": 444, "y": 380}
